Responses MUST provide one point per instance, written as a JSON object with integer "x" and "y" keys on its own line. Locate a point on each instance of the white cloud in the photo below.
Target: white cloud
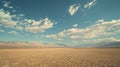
{"x": 30, "y": 25}
{"x": 21, "y": 15}
{"x": 75, "y": 25}
{"x": 7, "y": 4}
{"x": 90, "y": 4}
{"x": 112, "y": 39}
{"x": 101, "y": 20}
{"x": 32, "y": 22}
{"x": 2, "y": 31}
{"x": 19, "y": 27}
{"x": 74, "y": 37}
{"x": 61, "y": 34}
{"x": 73, "y": 31}
{"x": 28, "y": 20}
{"x": 38, "y": 26}
{"x": 51, "y": 36}
{"x": 73, "y": 9}
{"x": 54, "y": 37}
{"x": 6, "y": 19}
{"x": 100, "y": 40}
{"x": 94, "y": 31}
{"x": 12, "y": 32}
{"x": 58, "y": 36}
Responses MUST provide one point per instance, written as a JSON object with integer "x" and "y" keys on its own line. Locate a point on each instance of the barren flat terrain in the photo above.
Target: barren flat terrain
{"x": 60, "y": 57}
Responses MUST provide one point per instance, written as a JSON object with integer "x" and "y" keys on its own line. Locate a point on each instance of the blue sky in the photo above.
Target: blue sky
{"x": 71, "y": 22}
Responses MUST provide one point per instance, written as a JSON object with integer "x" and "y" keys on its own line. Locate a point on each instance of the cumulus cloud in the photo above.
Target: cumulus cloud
{"x": 90, "y": 4}
{"x": 38, "y": 26}
{"x": 2, "y": 31}
{"x": 12, "y": 32}
{"x": 108, "y": 39}
{"x": 112, "y": 39}
{"x": 6, "y": 19}
{"x": 7, "y": 4}
{"x": 51, "y": 36}
{"x": 19, "y": 28}
{"x": 17, "y": 21}
{"x": 74, "y": 37}
{"x": 102, "y": 40}
{"x": 73, "y": 9}
{"x": 21, "y": 15}
{"x": 101, "y": 20}
{"x": 75, "y": 25}
{"x": 59, "y": 36}
{"x": 30, "y": 25}
{"x": 106, "y": 28}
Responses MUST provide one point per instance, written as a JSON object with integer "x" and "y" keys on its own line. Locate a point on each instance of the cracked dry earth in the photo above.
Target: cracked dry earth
{"x": 60, "y": 57}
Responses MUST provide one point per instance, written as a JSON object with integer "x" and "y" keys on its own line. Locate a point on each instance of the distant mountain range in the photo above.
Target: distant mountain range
{"x": 46, "y": 45}
{"x": 110, "y": 44}
{"x": 27, "y": 45}
{"x": 101, "y": 45}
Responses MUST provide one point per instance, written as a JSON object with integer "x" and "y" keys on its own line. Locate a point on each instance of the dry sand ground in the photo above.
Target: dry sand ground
{"x": 60, "y": 57}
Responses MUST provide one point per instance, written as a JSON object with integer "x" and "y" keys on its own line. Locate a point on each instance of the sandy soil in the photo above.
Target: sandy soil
{"x": 60, "y": 57}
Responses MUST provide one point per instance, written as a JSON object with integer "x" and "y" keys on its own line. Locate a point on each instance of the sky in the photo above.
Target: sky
{"x": 70, "y": 22}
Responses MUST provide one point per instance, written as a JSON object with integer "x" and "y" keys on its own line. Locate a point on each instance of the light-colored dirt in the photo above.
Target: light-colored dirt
{"x": 60, "y": 57}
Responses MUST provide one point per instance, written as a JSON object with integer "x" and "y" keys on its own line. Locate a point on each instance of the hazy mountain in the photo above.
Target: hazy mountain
{"x": 61, "y": 44}
{"x": 110, "y": 44}
{"x": 44, "y": 45}
{"x": 26, "y": 45}
{"x": 101, "y": 44}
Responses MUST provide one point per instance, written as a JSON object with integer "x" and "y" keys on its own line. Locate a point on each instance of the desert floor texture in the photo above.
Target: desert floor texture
{"x": 60, "y": 57}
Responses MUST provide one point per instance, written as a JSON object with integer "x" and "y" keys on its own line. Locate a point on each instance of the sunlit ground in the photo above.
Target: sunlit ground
{"x": 60, "y": 57}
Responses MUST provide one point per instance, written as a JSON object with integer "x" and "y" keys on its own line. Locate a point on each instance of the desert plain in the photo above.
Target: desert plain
{"x": 60, "y": 57}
